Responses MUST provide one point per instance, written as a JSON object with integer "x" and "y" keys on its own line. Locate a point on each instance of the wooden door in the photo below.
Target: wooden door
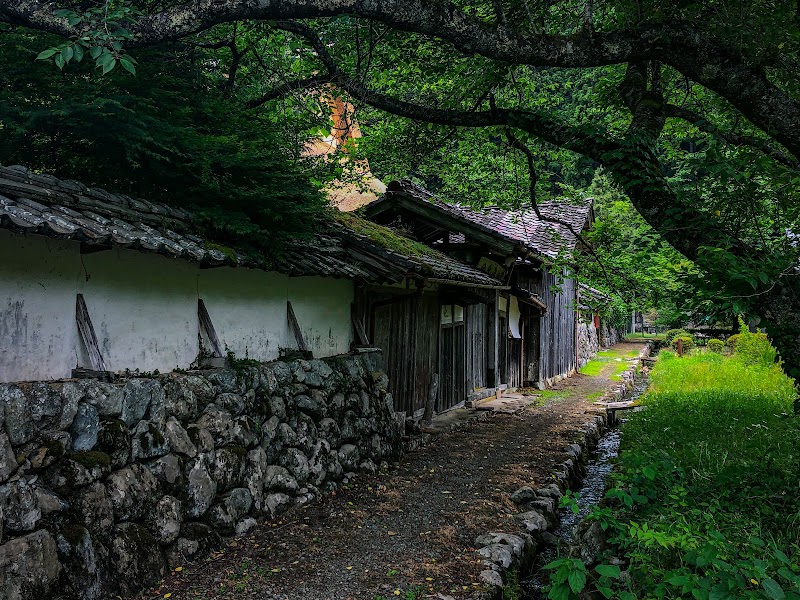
{"x": 452, "y": 357}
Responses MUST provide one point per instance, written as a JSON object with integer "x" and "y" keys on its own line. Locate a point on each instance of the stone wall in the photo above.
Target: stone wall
{"x": 609, "y": 335}
{"x": 588, "y": 344}
{"x": 103, "y": 485}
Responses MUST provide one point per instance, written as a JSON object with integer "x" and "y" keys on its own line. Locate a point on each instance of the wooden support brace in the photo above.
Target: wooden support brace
{"x": 86, "y": 329}
{"x": 358, "y": 327}
{"x": 298, "y": 335}
{"x": 207, "y": 327}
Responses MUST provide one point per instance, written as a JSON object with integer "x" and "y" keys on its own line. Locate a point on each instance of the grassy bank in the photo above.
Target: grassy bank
{"x": 705, "y": 501}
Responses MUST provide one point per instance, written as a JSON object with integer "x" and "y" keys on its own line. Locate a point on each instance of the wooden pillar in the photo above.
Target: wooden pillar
{"x": 496, "y": 335}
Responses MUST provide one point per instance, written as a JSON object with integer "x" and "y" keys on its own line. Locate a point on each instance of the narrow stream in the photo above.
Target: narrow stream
{"x": 592, "y": 490}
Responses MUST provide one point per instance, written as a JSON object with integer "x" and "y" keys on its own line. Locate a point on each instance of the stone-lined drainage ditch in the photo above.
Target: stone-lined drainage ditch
{"x": 513, "y": 561}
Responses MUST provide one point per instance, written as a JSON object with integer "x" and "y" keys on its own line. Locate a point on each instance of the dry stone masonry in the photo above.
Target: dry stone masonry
{"x": 103, "y": 485}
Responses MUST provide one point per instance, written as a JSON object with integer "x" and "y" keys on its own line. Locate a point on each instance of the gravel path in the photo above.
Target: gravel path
{"x": 411, "y": 529}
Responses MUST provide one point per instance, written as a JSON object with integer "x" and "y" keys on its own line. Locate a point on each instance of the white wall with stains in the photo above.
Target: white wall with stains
{"x": 144, "y": 309}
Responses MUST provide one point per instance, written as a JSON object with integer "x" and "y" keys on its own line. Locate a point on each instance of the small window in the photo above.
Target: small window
{"x": 452, "y": 314}
{"x": 458, "y": 314}
{"x": 447, "y": 315}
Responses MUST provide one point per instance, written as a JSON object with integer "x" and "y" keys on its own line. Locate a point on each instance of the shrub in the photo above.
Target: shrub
{"x": 716, "y": 346}
{"x": 755, "y": 349}
{"x": 673, "y": 333}
{"x": 731, "y": 341}
{"x": 686, "y": 340}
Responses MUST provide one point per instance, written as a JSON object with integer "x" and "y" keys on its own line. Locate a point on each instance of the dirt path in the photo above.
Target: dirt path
{"x": 407, "y": 533}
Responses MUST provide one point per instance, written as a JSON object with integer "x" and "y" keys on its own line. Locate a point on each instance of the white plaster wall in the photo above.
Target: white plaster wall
{"x": 248, "y": 310}
{"x": 38, "y": 282}
{"x": 322, "y": 308}
{"x": 144, "y": 309}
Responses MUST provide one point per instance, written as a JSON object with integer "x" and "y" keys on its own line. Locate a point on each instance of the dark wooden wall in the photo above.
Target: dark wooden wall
{"x": 557, "y": 326}
{"x": 408, "y": 333}
{"x": 476, "y": 317}
{"x": 416, "y": 345}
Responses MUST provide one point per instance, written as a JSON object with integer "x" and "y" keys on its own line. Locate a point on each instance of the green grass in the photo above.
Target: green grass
{"x": 637, "y": 337}
{"x": 705, "y": 501}
{"x": 541, "y": 397}
{"x": 619, "y": 361}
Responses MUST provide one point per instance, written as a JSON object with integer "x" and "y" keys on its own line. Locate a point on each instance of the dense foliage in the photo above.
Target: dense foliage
{"x": 706, "y": 500}
{"x": 690, "y": 107}
{"x": 171, "y": 134}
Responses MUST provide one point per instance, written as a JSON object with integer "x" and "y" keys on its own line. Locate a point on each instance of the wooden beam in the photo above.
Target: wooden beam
{"x": 358, "y": 327}
{"x": 207, "y": 327}
{"x": 92, "y": 248}
{"x": 496, "y": 340}
{"x": 86, "y": 329}
{"x": 476, "y": 232}
{"x": 293, "y": 325}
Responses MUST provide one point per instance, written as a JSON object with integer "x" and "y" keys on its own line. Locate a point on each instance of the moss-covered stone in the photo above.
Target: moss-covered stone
{"x": 73, "y": 533}
{"x": 93, "y": 459}
{"x": 115, "y": 440}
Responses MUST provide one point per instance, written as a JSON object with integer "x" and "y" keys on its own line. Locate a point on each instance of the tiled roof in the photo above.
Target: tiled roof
{"x": 429, "y": 263}
{"x": 521, "y": 226}
{"x": 42, "y": 204}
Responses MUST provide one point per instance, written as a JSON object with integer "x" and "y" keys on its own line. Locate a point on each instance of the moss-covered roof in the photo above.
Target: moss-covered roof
{"x": 427, "y": 261}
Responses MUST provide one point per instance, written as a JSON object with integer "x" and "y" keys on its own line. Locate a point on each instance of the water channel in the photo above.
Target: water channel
{"x": 591, "y": 492}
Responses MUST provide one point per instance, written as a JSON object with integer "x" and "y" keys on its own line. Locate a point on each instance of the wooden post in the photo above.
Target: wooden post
{"x": 86, "y": 329}
{"x": 433, "y": 389}
{"x": 361, "y": 339}
{"x": 496, "y": 334}
{"x": 680, "y": 347}
{"x": 293, "y": 325}
{"x": 207, "y": 327}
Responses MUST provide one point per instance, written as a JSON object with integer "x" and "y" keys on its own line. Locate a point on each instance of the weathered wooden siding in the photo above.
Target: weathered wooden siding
{"x": 514, "y": 363}
{"x": 557, "y": 326}
{"x": 452, "y": 375}
{"x": 407, "y": 332}
{"x": 532, "y": 325}
{"x": 477, "y": 333}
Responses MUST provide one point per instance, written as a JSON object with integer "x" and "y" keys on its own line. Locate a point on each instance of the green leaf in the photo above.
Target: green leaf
{"x": 59, "y": 60}
{"x": 608, "y": 570}
{"x": 45, "y": 54}
{"x": 678, "y": 580}
{"x": 67, "y": 54}
{"x": 773, "y": 589}
{"x": 782, "y": 557}
{"x": 576, "y": 580}
{"x": 78, "y": 52}
{"x": 126, "y": 64}
{"x": 109, "y": 66}
{"x": 95, "y": 51}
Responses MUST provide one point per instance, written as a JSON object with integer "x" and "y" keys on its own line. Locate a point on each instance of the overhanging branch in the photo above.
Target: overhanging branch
{"x": 729, "y": 137}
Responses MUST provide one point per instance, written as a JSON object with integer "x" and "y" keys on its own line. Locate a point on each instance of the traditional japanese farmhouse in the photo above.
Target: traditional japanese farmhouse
{"x": 478, "y": 338}
{"x": 103, "y": 282}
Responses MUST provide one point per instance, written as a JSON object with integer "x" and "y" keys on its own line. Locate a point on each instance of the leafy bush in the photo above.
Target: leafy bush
{"x": 754, "y": 348}
{"x": 686, "y": 340}
{"x": 715, "y": 345}
{"x": 705, "y": 503}
{"x": 672, "y": 334}
{"x": 731, "y": 341}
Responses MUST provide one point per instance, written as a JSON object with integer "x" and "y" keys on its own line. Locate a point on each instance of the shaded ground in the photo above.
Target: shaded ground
{"x": 409, "y": 532}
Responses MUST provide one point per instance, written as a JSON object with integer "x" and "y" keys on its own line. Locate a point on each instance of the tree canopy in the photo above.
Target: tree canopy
{"x": 691, "y": 108}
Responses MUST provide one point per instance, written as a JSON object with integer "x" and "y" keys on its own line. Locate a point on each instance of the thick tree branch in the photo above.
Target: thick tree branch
{"x": 729, "y": 137}
{"x": 542, "y": 125}
{"x": 290, "y": 87}
{"x": 687, "y": 48}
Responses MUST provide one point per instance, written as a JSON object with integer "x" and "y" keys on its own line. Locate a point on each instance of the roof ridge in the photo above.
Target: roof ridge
{"x": 51, "y": 190}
